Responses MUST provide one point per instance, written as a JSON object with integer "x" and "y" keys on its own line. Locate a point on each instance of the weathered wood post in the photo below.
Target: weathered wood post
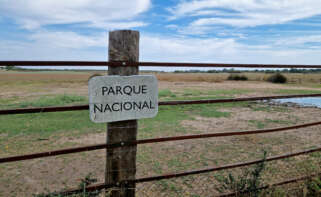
{"x": 121, "y": 162}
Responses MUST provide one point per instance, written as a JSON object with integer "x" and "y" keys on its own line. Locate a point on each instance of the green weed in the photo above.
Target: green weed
{"x": 313, "y": 187}
{"x": 166, "y": 93}
{"x": 248, "y": 183}
{"x": 54, "y": 101}
{"x": 291, "y": 91}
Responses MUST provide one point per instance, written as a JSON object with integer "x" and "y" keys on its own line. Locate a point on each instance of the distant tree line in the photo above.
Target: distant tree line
{"x": 232, "y": 70}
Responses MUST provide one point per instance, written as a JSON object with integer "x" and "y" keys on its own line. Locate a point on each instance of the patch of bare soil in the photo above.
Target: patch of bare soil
{"x": 50, "y": 174}
{"x": 95, "y": 138}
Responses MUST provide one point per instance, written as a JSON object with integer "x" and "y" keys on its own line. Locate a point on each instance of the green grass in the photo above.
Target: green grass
{"x": 209, "y": 111}
{"x": 262, "y": 124}
{"x": 165, "y": 93}
{"x": 44, "y": 101}
{"x": 55, "y": 101}
{"x": 190, "y": 92}
{"x": 45, "y": 124}
{"x": 290, "y": 91}
{"x": 269, "y": 108}
{"x": 229, "y": 92}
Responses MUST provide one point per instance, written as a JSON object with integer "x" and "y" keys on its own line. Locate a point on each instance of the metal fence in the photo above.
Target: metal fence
{"x": 125, "y": 183}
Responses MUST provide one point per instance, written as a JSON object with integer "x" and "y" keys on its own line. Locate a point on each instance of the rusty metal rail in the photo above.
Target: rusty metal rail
{"x": 161, "y": 103}
{"x": 148, "y": 141}
{"x": 158, "y": 64}
{"x": 193, "y": 172}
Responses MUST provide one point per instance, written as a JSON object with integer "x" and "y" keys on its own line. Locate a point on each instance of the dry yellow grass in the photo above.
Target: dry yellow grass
{"x": 296, "y": 78}
{"x": 83, "y": 76}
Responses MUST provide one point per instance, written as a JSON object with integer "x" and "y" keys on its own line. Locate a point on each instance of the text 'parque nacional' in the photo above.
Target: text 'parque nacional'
{"x": 116, "y": 98}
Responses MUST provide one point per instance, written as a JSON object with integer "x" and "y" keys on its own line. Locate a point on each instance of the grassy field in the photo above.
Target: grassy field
{"x": 29, "y": 133}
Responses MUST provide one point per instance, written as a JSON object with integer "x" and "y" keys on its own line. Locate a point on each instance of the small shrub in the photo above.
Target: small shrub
{"x": 277, "y": 78}
{"x": 313, "y": 187}
{"x": 9, "y": 67}
{"x": 248, "y": 183}
{"x": 237, "y": 77}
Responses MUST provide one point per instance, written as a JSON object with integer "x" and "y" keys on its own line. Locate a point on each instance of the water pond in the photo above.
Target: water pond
{"x": 308, "y": 101}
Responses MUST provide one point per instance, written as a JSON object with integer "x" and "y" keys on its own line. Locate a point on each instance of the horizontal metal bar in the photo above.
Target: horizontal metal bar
{"x": 148, "y": 141}
{"x": 302, "y": 178}
{"x": 159, "y": 64}
{"x": 161, "y": 103}
{"x": 225, "y": 134}
{"x": 43, "y": 109}
{"x": 230, "y": 166}
{"x": 213, "y": 169}
{"x": 236, "y": 99}
{"x": 222, "y": 65}
{"x": 58, "y": 63}
{"x": 59, "y": 152}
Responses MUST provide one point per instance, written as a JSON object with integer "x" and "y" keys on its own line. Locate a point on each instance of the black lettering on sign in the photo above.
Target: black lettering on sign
{"x": 128, "y": 90}
{"x": 126, "y": 106}
{"x": 144, "y": 89}
{"x": 107, "y": 108}
{"x": 114, "y": 108}
{"x": 151, "y": 105}
{"x": 145, "y": 105}
{"x": 97, "y": 108}
{"x": 137, "y": 106}
{"x": 118, "y": 90}
{"x": 104, "y": 90}
{"x": 111, "y": 91}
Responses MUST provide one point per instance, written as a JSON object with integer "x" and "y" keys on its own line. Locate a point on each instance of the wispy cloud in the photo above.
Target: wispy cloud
{"x": 245, "y": 13}
{"x": 67, "y": 40}
{"x": 45, "y": 45}
{"x": 300, "y": 41}
{"x": 32, "y": 14}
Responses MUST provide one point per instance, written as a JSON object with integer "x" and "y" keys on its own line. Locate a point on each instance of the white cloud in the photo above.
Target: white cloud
{"x": 70, "y": 40}
{"x": 181, "y": 49}
{"x": 156, "y": 48}
{"x": 48, "y": 45}
{"x": 300, "y": 41}
{"x": 245, "y": 13}
{"x": 32, "y": 14}
{"x": 44, "y": 45}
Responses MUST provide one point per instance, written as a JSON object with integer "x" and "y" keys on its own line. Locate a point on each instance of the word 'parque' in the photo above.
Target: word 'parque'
{"x": 123, "y": 106}
{"x": 124, "y": 90}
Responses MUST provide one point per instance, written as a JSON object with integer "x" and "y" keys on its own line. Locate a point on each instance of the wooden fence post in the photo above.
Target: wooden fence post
{"x": 121, "y": 162}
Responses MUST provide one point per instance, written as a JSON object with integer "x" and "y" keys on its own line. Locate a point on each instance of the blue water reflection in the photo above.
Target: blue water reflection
{"x": 308, "y": 101}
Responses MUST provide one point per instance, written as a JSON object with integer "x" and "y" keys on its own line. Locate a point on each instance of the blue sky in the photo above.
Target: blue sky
{"x": 221, "y": 31}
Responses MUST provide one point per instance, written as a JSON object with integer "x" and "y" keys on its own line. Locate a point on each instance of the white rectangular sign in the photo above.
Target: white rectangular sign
{"x": 117, "y": 98}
